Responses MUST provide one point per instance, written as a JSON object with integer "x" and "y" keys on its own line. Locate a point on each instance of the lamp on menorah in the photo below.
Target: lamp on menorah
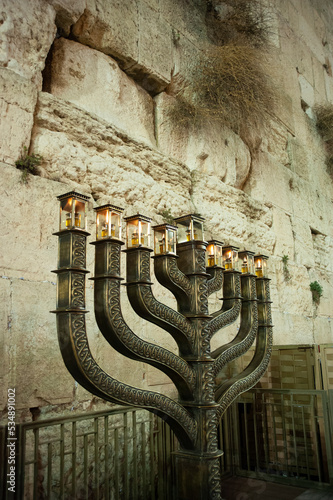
{"x": 192, "y": 270}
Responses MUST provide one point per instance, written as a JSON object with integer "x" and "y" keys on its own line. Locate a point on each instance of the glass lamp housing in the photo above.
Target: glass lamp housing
{"x": 246, "y": 260}
{"x": 214, "y": 254}
{"x": 260, "y": 263}
{"x": 165, "y": 239}
{"x": 73, "y": 211}
{"x": 230, "y": 258}
{"x": 137, "y": 231}
{"x": 190, "y": 228}
{"x": 108, "y": 222}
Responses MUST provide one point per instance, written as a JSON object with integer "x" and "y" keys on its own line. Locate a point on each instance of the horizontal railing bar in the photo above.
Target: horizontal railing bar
{"x": 286, "y": 391}
{"x": 74, "y": 418}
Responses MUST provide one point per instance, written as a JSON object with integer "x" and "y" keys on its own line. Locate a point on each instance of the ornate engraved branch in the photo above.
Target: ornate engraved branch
{"x": 231, "y": 389}
{"x": 114, "y": 328}
{"x": 216, "y": 282}
{"x": 145, "y": 305}
{"x": 168, "y": 274}
{"x": 230, "y": 309}
{"x": 228, "y": 392}
{"x": 246, "y": 333}
{"x": 81, "y": 364}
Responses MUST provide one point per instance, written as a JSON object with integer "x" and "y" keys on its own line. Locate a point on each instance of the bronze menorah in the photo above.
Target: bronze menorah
{"x": 192, "y": 270}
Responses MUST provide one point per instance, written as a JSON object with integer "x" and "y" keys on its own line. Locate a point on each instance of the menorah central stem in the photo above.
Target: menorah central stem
{"x": 198, "y": 470}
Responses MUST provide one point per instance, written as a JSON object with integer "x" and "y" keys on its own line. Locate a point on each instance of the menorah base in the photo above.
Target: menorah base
{"x": 198, "y": 476}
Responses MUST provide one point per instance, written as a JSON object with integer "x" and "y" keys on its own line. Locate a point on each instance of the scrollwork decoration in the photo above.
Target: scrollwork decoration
{"x": 113, "y": 259}
{"x": 79, "y": 254}
{"x": 143, "y": 349}
{"x": 122, "y": 392}
{"x": 179, "y": 278}
{"x": 78, "y": 290}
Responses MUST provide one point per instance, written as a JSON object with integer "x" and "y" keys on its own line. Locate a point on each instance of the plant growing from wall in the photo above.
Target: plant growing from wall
{"x": 324, "y": 124}
{"x": 286, "y": 272}
{"x": 228, "y": 82}
{"x": 317, "y": 291}
{"x": 167, "y": 216}
{"x": 28, "y": 164}
{"x": 229, "y": 20}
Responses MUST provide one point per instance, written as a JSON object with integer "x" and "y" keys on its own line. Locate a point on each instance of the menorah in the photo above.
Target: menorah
{"x": 192, "y": 269}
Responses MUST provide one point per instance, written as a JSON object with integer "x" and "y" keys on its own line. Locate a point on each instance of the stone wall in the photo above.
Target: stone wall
{"x": 85, "y": 85}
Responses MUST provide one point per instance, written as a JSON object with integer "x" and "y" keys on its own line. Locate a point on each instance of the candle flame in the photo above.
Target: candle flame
{"x": 107, "y": 216}
{"x": 259, "y": 263}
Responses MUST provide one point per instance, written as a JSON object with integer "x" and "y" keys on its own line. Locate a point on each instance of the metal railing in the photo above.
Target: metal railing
{"x": 281, "y": 435}
{"x": 126, "y": 454}
{"x": 121, "y": 454}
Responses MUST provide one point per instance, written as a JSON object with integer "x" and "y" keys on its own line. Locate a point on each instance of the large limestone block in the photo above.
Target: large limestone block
{"x": 276, "y": 140}
{"x": 111, "y": 27}
{"x": 134, "y": 33}
{"x": 94, "y": 82}
{"x": 294, "y": 293}
{"x": 329, "y": 87}
{"x": 304, "y": 250}
{"x": 323, "y": 330}
{"x": 299, "y": 157}
{"x": 28, "y": 249}
{"x": 27, "y": 31}
{"x": 284, "y": 233}
{"x": 308, "y": 33}
{"x": 309, "y": 205}
{"x": 292, "y": 329}
{"x": 17, "y": 104}
{"x": 232, "y": 216}
{"x": 40, "y": 374}
{"x": 319, "y": 81}
{"x": 210, "y": 148}
{"x": 322, "y": 249}
{"x": 155, "y": 61}
{"x": 187, "y": 18}
{"x": 265, "y": 168}
{"x": 85, "y": 151}
{"x": 307, "y": 91}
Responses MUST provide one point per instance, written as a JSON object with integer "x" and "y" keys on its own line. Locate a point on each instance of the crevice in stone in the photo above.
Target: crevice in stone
{"x": 47, "y": 71}
{"x": 35, "y": 413}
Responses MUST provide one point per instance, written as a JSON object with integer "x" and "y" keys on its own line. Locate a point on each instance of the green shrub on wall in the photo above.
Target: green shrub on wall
{"x": 28, "y": 164}
{"x": 317, "y": 291}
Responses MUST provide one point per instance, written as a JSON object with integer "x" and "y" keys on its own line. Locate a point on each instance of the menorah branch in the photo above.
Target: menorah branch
{"x": 168, "y": 274}
{"x": 248, "y": 327}
{"x": 227, "y": 392}
{"x": 139, "y": 291}
{"x": 145, "y": 305}
{"x": 231, "y": 306}
{"x": 216, "y": 281}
